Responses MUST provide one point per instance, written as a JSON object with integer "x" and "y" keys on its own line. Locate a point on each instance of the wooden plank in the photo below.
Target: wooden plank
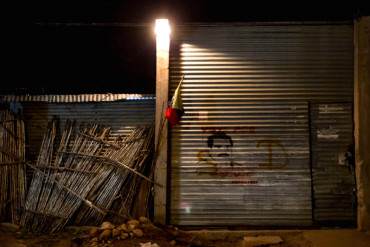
{"x": 161, "y": 130}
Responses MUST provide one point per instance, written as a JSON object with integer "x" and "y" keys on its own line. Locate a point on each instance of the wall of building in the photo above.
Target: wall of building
{"x": 362, "y": 119}
{"x": 263, "y": 86}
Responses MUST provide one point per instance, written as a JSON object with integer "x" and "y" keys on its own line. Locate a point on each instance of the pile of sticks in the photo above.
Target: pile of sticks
{"x": 12, "y": 166}
{"x": 77, "y": 179}
{"x": 129, "y": 161}
{"x": 134, "y": 195}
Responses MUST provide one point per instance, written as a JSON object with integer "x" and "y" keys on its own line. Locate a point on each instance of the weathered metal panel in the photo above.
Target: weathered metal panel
{"x": 74, "y": 98}
{"x": 333, "y": 162}
{"x": 263, "y": 177}
{"x": 121, "y": 116}
{"x": 254, "y": 84}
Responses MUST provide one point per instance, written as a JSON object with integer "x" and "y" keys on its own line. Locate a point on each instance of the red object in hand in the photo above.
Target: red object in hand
{"x": 173, "y": 115}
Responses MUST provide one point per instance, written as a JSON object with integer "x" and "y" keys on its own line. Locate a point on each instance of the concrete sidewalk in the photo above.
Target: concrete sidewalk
{"x": 337, "y": 238}
{"x": 301, "y": 238}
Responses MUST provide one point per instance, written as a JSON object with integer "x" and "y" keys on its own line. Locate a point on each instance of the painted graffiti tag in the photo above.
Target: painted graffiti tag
{"x": 271, "y": 145}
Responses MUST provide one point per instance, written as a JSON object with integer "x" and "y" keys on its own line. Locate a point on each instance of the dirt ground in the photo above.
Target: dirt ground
{"x": 79, "y": 236}
{"x": 162, "y": 237}
{"x": 66, "y": 240}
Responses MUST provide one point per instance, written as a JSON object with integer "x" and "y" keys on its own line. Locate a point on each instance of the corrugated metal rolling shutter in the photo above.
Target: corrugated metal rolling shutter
{"x": 333, "y": 163}
{"x": 251, "y": 84}
{"x": 121, "y": 116}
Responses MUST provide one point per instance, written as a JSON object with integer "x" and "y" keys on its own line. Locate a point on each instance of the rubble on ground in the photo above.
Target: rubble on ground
{"x": 255, "y": 241}
{"x": 153, "y": 236}
{"x": 108, "y": 232}
{"x": 149, "y": 244}
{"x": 142, "y": 230}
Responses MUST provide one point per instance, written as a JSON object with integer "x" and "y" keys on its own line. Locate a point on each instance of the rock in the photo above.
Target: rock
{"x": 106, "y": 225}
{"x": 124, "y": 235}
{"x": 261, "y": 241}
{"x": 138, "y": 232}
{"x": 133, "y": 222}
{"x": 116, "y": 233}
{"x": 94, "y": 244}
{"x": 149, "y": 244}
{"x": 149, "y": 226}
{"x": 106, "y": 234}
{"x": 9, "y": 227}
{"x": 143, "y": 220}
{"x": 131, "y": 227}
{"x": 94, "y": 232}
{"x": 123, "y": 228}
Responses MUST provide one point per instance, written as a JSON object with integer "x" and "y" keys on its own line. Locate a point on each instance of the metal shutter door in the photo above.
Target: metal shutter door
{"x": 252, "y": 84}
{"x": 333, "y": 163}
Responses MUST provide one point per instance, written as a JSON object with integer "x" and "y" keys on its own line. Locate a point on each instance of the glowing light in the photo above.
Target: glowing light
{"x": 162, "y": 27}
{"x": 162, "y": 31}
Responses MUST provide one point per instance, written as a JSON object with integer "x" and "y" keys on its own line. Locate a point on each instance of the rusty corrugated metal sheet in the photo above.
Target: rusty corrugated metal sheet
{"x": 121, "y": 116}
{"x": 333, "y": 162}
{"x": 74, "y": 98}
{"x": 254, "y": 84}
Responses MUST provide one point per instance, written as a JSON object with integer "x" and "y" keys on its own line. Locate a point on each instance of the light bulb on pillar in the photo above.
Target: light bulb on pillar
{"x": 162, "y": 31}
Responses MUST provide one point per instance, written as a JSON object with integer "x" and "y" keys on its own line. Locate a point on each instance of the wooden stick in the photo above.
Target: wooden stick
{"x": 11, "y": 163}
{"x": 99, "y": 140}
{"x": 116, "y": 162}
{"x": 134, "y": 171}
{"x": 87, "y": 202}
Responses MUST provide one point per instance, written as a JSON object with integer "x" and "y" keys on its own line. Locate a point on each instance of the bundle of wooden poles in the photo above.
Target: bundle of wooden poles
{"x": 12, "y": 166}
{"x": 78, "y": 179}
{"x": 130, "y": 159}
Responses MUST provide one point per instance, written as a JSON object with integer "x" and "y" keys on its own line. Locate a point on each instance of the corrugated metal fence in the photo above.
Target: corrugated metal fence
{"x": 121, "y": 116}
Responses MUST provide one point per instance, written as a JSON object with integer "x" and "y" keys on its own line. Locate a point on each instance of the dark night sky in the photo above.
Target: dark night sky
{"x": 42, "y": 57}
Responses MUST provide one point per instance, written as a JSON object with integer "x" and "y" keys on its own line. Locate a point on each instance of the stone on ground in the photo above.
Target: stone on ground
{"x": 261, "y": 240}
